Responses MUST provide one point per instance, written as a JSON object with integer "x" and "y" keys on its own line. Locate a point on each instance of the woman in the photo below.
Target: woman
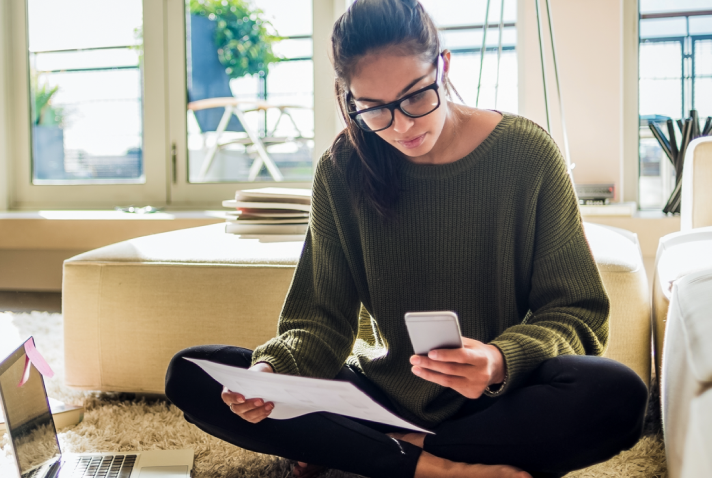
{"x": 424, "y": 205}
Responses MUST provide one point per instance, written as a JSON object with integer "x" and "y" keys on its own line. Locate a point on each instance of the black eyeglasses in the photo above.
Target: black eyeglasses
{"x": 415, "y": 105}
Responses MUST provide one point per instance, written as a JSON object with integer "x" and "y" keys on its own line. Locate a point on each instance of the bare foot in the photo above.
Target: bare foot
{"x": 431, "y": 466}
{"x": 305, "y": 470}
{"x": 416, "y": 439}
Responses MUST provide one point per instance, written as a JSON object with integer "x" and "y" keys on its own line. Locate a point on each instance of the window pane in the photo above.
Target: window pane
{"x": 86, "y": 92}
{"x": 448, "y": 13}
{"x": 703, "y": 78}
{"x": 661, "y": 78}
{"x": 663, "y": 27}
{"x": 247, "y": 122}
{"x": 464, "y": 75}
{"x": 701, "y": 25}
{"x": 660, "y": 93}
{"x": 465, "y": 43}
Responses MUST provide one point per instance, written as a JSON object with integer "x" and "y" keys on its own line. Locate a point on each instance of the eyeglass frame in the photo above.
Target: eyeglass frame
{"x": 397, "y": 103}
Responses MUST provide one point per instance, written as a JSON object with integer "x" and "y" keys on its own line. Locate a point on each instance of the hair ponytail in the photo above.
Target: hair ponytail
{"x": 369, "y": 25}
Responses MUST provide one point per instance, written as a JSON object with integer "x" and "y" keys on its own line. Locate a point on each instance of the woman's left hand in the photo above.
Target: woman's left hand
{"x": 467, "y": 370}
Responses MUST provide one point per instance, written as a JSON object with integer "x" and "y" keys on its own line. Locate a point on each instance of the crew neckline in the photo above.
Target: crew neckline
{"x": 435, "y": 171}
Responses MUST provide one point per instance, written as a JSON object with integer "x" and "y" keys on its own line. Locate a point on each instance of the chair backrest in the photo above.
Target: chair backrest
{"x": 206, "y": 75}
{"x": 696, "y": 201}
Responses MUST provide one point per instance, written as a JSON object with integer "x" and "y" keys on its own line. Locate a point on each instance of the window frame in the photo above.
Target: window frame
{"x": 25, "y": 195}
{"x": 181, "y": 192}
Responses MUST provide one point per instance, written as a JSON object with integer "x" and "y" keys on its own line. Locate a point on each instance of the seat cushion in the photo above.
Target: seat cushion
{"x": 129, "y": 307}
{"x": 687, "y": 360}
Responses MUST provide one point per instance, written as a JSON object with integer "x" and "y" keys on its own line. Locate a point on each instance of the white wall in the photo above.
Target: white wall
{"x": 590, "y": 54}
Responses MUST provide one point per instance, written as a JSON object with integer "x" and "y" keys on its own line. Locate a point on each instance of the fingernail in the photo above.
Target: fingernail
{"x": 240, "y": 400}
{"x": 433, "y": 354}
{"x": 416, "y": 370}
{"x": 259, "y": 403}
{"x": 270, "y": 407}
{"x": 415, "y": 360}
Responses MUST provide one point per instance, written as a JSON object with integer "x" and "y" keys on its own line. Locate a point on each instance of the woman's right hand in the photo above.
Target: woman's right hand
{"x": 253, "y": 410}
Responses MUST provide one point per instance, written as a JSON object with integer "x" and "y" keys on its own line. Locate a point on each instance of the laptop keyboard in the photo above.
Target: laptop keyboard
{"x": 107, "y": 466}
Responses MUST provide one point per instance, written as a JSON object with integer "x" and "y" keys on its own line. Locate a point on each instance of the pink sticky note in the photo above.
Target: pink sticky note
{"x": 37, "y": 360}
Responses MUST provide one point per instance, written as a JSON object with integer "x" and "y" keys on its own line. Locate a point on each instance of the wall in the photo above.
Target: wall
{"x": 33, "y": 248}
{"x": 589, "y": 38}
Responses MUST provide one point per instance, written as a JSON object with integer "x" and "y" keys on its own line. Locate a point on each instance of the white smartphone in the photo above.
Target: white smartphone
{"x": 433, "y": 330}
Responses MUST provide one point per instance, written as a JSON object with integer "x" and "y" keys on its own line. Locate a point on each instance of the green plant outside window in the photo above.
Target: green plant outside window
{"x": 242, "y": 36}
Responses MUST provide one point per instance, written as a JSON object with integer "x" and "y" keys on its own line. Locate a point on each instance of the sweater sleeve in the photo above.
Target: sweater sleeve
{"x": 319, "y": 319}
{"x": 568, "y": 305}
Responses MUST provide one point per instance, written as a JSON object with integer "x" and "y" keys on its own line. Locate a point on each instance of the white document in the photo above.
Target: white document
{"x": 295, "y": 396}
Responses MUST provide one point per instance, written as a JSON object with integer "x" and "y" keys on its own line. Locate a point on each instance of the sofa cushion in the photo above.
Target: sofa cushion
{"x": 679, "y": 254}
{"x": 686, "y": 362}
{"x": 694, "y": 309}
{"x": 697, "y": 459}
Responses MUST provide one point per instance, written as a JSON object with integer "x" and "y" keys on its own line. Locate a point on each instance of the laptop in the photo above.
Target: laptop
{"x": 33, "y": 437}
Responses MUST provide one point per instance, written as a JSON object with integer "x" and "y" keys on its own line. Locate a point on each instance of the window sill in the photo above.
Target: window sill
{"x": 87, "y": 230}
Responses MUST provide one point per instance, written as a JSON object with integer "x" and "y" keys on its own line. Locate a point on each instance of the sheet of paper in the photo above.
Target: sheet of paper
{"x": 295, "y": 396}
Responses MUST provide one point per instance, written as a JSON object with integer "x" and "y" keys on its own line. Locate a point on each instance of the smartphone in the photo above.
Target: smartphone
{"x": 433, "y": 330}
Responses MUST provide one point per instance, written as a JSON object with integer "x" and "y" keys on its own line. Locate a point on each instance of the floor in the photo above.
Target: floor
{"x": 12, "y": 301}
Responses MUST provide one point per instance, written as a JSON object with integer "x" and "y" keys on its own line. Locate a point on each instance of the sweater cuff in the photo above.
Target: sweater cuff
{"x": 278, "y": 356}
{"x": 517, "y": 364}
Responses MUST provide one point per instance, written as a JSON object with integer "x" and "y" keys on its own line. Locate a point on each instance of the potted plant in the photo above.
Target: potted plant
{"x": 47, "y": 133}
{"x": 243, "y": 37}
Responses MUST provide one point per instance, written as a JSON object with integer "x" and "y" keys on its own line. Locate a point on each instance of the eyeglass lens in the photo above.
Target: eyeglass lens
{"x": 418, "y": 105}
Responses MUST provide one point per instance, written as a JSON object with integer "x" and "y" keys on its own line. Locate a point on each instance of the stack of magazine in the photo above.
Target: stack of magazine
{"x": 269, "y": 211}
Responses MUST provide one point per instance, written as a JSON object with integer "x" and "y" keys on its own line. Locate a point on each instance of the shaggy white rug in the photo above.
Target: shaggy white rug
{"x": 114, "y": 423}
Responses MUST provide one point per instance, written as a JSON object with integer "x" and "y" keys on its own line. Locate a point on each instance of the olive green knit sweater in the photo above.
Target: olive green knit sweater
{"x": 495, "y": 236}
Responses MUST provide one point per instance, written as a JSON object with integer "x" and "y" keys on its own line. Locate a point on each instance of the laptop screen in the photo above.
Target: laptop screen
{"x": 27, "y": 414}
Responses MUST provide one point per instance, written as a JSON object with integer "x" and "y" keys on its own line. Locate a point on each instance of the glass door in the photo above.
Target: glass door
{"x": 241, "y": 96}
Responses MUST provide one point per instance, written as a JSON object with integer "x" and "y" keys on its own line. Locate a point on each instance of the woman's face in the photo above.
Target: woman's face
{"x": 383, "y": 77}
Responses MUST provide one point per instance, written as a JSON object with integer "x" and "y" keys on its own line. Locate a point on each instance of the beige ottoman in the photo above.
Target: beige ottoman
{"x": 686, "y": 380}
{"x": 129, "y": 307}
{"x": 678, "y": 254}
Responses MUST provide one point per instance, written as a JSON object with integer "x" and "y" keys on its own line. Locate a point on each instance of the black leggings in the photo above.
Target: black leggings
{"x": 571, "y": 412}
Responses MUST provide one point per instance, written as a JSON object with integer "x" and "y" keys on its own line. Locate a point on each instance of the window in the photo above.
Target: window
{"x": 105, "y": 113}
{"x": 270, "y": 130}
{"x": 85, "y": 91}
{"x": 462, "y": 26}
{"x": 675, "y": 76}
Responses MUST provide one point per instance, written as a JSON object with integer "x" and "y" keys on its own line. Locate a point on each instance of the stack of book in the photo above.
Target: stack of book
{"x": 269, "y": 211}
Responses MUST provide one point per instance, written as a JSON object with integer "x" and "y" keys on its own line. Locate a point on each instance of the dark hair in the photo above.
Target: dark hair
{"x": 367, "y": 26}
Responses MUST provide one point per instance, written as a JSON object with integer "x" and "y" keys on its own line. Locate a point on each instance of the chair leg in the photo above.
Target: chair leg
{"x": 263, "y": 157}
{"x": 208, "y": 160}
